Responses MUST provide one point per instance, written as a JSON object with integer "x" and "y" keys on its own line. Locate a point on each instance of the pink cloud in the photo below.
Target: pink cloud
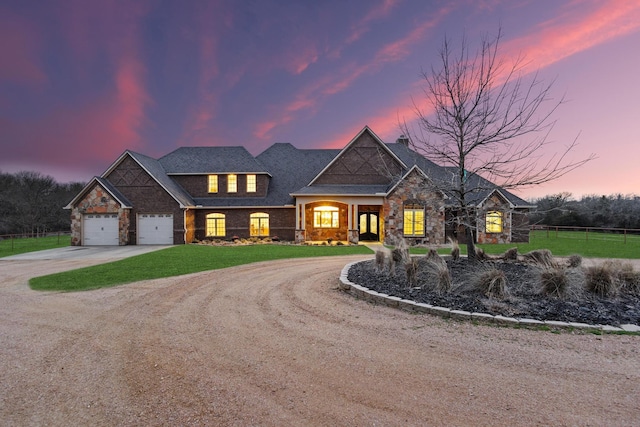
{"x": 19, "y": 49}
{"x": 570, "y": 34}
{"x": 376, "y": 13}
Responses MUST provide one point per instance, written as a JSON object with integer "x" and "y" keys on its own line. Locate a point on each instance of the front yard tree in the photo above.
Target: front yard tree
{"x": 486, "y": 120}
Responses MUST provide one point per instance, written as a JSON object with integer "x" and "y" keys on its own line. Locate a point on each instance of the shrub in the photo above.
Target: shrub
{"x": 381, "y": 258}
{"x": 601, "y": 281}
{"x": 432, "y": 254}
{"x": 492, "y": 283}
{"x": 554, "y": 281}
{"x": 400, "y": 253}
{"x": 481, "y": 255}
{"x": 411, "y": 269}
{"x": 541, "y": 257}
{"x": 511, "y": 254}
{"x": 574, "y": 261}
{"x": 628, "y": 279}
{"x": 455, "y": 249}
{"x": 440, "y": 272}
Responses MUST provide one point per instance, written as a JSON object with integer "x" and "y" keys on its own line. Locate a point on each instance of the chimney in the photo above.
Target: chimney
{"x": 402, "y": 139}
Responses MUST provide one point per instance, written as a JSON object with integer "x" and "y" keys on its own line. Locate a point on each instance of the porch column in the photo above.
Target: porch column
{"x": 300, "y": 222}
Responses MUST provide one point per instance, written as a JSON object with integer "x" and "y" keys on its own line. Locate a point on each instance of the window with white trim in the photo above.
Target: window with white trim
{"x": 251, "y": 183}
{"x": 232, "y": 183}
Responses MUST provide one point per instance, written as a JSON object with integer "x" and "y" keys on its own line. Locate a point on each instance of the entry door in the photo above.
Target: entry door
{"x": 368, "y": 226}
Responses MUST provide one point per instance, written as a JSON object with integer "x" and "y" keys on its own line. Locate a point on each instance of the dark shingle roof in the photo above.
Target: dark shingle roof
{"x": 291, "y": 169}
{"x": 158, "y": 173}
{"x": 206, "y": 160}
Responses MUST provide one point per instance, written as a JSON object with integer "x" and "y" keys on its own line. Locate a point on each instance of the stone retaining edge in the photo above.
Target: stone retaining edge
{"x": 367, "y": 294}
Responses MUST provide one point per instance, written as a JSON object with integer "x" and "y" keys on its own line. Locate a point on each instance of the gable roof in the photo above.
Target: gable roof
{"x": 210, "y": 160}
{"x": 106, "y": 185}
{"x": 157, "y": 172}
{"x": 375, "y": 138}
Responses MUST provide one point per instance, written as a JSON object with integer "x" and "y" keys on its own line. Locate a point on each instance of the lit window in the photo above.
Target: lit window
{"x": 259, "y": 224}
{"x": 232, "y": 183}
{"x": 326, "y": 217}
{"x": 413, "y": 220}
{"x": 494, "y": 222}
{"x": 213, "y": 183}
{"x": 216, "y": 225}
{"x": 251, "y": 183}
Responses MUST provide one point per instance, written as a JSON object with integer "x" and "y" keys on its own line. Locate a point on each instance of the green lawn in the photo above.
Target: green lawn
{"x": 12, "y": 246}
{"x": 177, "y": 260}
{"x": 564, "y": 243}
{"x": 185, "y": 259}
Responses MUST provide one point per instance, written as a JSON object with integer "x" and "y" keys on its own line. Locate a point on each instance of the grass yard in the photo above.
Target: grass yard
{"x": 178, "y": 260}
{"x": 565, "y": 243}
{"x": 16, "y": 246}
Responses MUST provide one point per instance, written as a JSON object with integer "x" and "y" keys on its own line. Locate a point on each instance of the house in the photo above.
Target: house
{"x": 368, "y": 191}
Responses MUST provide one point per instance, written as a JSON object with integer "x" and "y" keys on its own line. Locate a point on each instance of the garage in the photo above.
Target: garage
{"x": 101, "y": 230}
{"x": 155, "y": 229}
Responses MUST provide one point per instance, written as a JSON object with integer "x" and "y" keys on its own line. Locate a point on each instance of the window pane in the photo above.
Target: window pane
{"x": 494, "y": 222}
{"x": 216, "y": 225}
{"x": 413, "y": 221}
{"x": 259, "y": 224}
{"x": 251, "y": 183}
{"x": 326, "y": 217}
{"x": 232, "y": 183}
{"x": 213, "y": 183}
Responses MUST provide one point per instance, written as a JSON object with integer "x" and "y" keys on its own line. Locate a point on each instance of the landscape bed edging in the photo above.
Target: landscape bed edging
{"x": 367, "y": 294}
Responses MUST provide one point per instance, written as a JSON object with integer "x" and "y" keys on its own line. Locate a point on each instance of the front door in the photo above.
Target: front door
{"x": 368, "y": 226}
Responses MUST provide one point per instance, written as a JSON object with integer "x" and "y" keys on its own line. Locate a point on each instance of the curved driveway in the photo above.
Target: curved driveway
{"x": 278, "y": 344}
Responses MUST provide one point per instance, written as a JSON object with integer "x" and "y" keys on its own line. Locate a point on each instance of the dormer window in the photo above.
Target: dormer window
{"x": 232, "y": 183}
{"x": 251, "y": 183}
{"x": 213, "y": 183}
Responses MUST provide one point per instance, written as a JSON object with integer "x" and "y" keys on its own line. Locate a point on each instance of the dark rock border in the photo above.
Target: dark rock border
{"x": 367, "y": 294}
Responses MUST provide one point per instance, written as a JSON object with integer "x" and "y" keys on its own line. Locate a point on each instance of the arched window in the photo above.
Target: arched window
{"x": 259, "y": 224}
{"x": 494, "y": 222}
{"x": 216, "y": 225}
{"x": 326, "y": 217}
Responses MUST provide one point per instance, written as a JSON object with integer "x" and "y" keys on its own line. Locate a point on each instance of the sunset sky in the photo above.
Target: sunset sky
{"x": 82, "y": 81}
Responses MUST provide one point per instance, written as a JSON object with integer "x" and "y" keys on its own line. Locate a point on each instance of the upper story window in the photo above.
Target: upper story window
{"x": 326, "y": 217}
{"x": 213, "y": 183}
{"x": 493, "y": 222}
{"x": 232, "y": 183}
{"x": 251, "y": 183}
{"x": 413, "y": 220}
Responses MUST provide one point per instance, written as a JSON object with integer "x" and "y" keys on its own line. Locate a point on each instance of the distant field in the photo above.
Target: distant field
{"x": 15, "y": 246}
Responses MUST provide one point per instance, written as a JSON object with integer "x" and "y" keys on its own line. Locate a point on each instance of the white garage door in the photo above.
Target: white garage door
{"x": 155, "y": 229}
{"x": 101, "y": 230}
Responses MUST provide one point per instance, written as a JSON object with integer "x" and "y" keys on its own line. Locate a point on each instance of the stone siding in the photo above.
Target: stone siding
{"x": 99, "y": 201}
{"x": 414, "y": 189}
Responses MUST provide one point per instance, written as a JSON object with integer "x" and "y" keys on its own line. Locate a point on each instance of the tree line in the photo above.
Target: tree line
{"x": 612, "y": 211}
{"x": 32, "y": 203}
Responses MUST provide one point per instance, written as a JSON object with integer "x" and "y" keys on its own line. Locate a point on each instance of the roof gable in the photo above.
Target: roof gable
{"x": 106, "y": 185}
{"x": 155, "y": 170}
{"x": 365, "y": 160}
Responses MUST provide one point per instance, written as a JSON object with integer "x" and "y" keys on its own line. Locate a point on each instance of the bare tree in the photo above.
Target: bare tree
{"x": 487, "y": 121}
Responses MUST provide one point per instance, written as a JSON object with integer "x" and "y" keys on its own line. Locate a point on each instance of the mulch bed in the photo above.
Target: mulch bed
{"x": 523, "y": 298}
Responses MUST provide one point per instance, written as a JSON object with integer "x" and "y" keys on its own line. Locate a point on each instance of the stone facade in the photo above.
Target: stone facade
{"x": 99, "y": 201}
{"x": 495, "y": 203}
{"x": 415, "y": 189}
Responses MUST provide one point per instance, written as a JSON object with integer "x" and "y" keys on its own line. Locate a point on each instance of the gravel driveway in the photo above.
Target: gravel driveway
{"x": 275, "y": 344}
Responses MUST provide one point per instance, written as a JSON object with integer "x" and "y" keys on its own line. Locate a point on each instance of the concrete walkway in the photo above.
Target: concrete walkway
{"x": 86, "y": 252}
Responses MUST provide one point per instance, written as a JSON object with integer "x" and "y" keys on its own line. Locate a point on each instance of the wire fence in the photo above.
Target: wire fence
{"x": 17, "y": 243}
{"x": 621, "y": 235}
